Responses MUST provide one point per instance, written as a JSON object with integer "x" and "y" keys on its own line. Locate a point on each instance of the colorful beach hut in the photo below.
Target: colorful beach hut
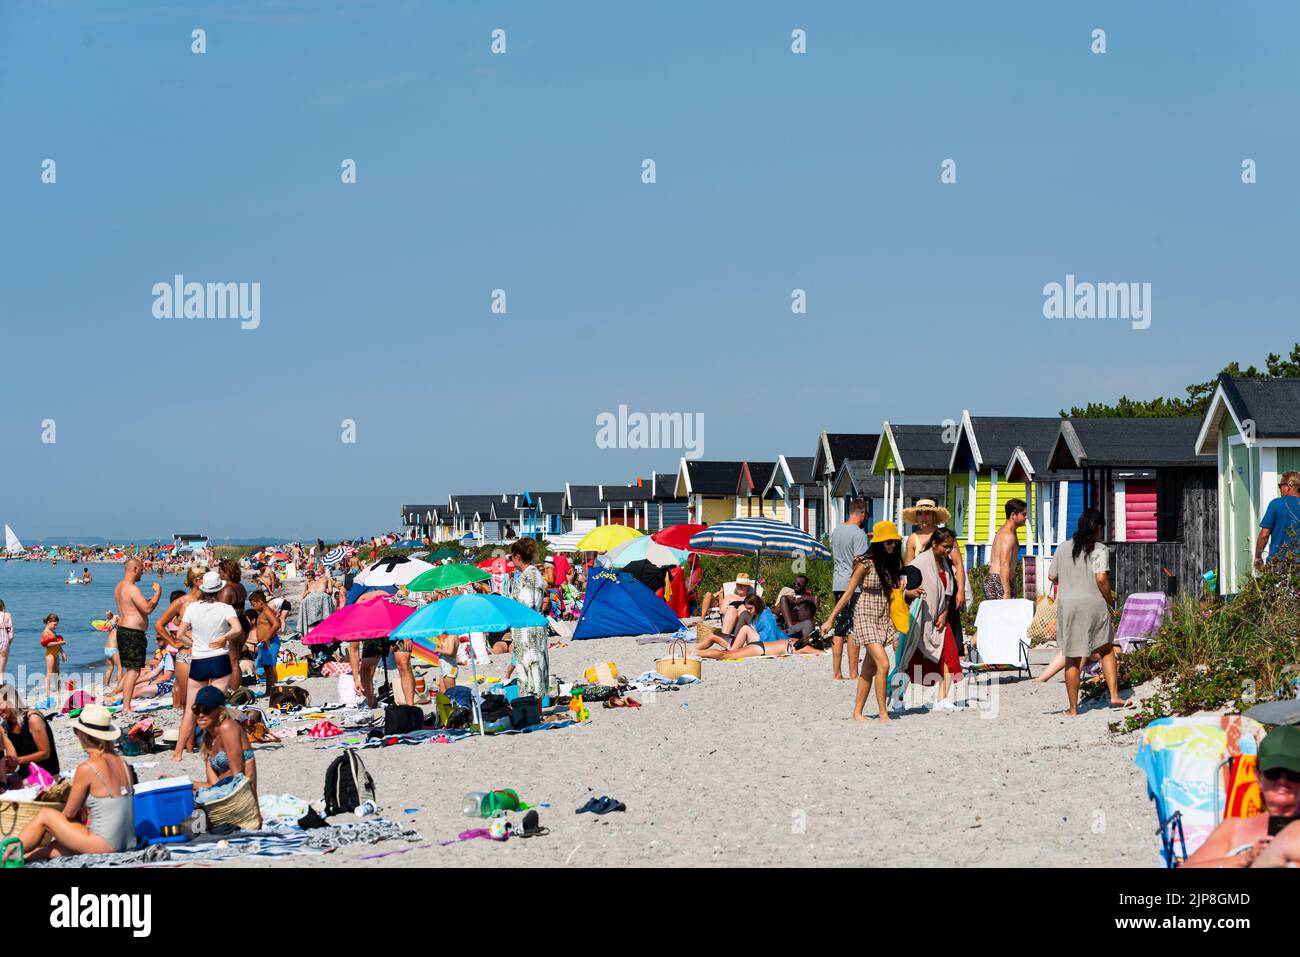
{"x": 914, "y": 462}
{"x": 833, "y": 450}
{"x": 792, "y": 483}
{"x": 709, "y": 488}
{"x": 1252, "y": 427}
{"x": 983, "y": 476}
{"x": 1158, "y": 496}
{"x": 856, "y": 480}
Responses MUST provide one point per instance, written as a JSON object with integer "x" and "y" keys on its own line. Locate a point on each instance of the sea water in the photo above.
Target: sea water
{"x": 32, "y": 590}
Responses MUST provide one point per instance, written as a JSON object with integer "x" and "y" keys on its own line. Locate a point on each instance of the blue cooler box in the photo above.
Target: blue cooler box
{"x": 163, "y": 803}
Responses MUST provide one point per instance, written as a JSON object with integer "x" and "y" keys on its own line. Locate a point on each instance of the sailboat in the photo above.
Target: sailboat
{"x": 13, "y": 547}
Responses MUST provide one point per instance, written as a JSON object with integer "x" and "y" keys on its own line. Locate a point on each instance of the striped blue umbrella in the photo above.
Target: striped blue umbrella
{"x": 334, "y": 556}
{"x": 759, "y": 536}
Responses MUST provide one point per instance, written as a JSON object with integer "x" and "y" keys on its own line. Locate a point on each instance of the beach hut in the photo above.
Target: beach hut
{"x": 979, "y": 485}
{"x": 709, "y": 488}
{"x": 541, "y": 514}
{"x": 914, "y": 462}
{"x": 833, "y": 449}
{"x": 625, "y": 504}
{"x": 665, "y": 507}
{"x": 750, "y": 502}
{"x": 1252, "y": 427}
{"x": 856, "y": 480}
{"x": 1158, "y": 496}
{"x": 792, "y": 483}
{"x": 470, "y": 512}
{"x": 420, "y": 521}
{"x": 583, "y": 508}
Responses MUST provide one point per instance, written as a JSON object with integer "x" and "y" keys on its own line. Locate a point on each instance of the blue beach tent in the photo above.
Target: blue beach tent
{"x": 618, "y": 604}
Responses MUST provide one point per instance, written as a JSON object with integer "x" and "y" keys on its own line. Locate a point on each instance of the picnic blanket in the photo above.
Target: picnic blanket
{"x": 268, "y": 842}
{"x": 446, "y": 736}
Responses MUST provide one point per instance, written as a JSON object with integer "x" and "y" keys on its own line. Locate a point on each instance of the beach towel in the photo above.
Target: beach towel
{"x": 1001, "y": 632}
{"x": 1141, "y": 618}
{"x": 1181, "y": 758}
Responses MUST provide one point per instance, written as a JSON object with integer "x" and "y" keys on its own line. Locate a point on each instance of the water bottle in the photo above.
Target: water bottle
{"x": 365, "y": 809}
{"x": 476, "y": 803}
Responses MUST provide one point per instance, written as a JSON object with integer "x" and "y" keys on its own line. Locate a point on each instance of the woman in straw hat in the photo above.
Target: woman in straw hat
{"x": 878, "y": 571}
{"x": 101, "y": 787}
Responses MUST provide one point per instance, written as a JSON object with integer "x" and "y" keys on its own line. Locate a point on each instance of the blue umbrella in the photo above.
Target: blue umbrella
{"x": 759, "y": 536}
{"x": 334, "y": 556}
{"x": 461, "y": 614}
{"x": 412, "y": 543}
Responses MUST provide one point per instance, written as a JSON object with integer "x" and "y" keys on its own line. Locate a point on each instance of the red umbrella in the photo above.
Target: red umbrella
{"x": 679, "y": 537}
{"x": 497, "y": 566}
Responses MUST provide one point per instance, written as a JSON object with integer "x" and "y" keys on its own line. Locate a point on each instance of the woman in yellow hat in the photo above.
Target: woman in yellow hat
{"x": 879, "y": 571}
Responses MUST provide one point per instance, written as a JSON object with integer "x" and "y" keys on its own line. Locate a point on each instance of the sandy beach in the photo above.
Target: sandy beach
{"x": 759, "y": 764}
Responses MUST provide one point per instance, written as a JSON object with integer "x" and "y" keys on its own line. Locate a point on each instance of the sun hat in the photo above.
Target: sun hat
{"x": 96, "y": 722}
{"x": 743, "y": 579}
{"x": 209, "y": 698}
{"x": 211, "y": 583}
{"x": 1280, "y": 749}
{"x": 885, "y": 532}
{"x": 926, "y": 505}
{"x": 171, "y": 735}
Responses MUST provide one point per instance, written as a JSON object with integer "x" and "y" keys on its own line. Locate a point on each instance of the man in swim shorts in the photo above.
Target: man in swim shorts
{"x": 133, "y": 611}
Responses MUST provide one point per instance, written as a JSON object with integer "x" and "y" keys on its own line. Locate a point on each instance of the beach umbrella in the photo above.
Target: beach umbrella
{"x": 410, "y": 543}
{"x": 679, "y": 537}
{"x": 334, "y": 556}
{"x": 497, "y": 566}
{"x": 604, "y": 537}
{"x": 442, "y": 553}
{"x": 759, "y": 537}
{"x": 643, "y": 548}
{"x": 442, "y": 577}
{"x": 393, "y": 570}
{"x": 360, "y": 622}
{"x": 460, "y": 615}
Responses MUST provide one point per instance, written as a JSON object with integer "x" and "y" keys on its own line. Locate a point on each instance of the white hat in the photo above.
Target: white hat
{"x": 211, "y": 583}
{"x": 96, "y": 722}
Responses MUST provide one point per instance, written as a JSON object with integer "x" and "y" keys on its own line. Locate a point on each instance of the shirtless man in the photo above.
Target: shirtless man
{"x": 1006, "y": 547}
{"x": 133, "y": 611}
{"x": 797, "y": 611}
{"x": 267, "y": 624}
{"x": 235, "y": 595}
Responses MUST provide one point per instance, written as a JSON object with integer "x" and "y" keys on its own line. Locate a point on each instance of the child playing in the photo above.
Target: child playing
{"x": 52, "y": 643}
{"x": 112, "y": 660}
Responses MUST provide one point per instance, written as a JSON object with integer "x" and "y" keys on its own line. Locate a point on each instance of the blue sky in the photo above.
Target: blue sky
{"x": 775, "y": 171}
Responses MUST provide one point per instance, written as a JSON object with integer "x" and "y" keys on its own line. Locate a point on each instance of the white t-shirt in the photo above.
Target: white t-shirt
{"x": 207, "y": 620}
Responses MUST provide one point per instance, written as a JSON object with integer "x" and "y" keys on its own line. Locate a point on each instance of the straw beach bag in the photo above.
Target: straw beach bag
{"x": 16, "y": 815}
{"x": 674, "y": 667}
{"x": 239, "y": 808}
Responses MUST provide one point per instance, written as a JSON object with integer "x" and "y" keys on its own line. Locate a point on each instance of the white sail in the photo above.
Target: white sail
{"x": 12, "y": 545}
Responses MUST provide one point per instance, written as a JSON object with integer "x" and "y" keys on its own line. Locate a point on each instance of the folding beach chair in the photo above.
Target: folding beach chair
{"x": 1001, "y": 635}
{"x": 1141, "y": 618}
{"x": 1184, "y": 760}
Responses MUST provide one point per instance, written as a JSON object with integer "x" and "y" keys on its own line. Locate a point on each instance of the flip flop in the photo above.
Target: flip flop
{"x": 607, "y": 805}
{"x": 591, "y": 805}
{"x": 530, "y": 827}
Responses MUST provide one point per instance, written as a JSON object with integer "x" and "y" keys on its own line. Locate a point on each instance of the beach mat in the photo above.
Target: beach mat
{"x": 268, "y": 842}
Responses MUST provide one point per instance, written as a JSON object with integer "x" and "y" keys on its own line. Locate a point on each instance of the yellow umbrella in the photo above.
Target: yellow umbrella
{"x": 604, "y": 537}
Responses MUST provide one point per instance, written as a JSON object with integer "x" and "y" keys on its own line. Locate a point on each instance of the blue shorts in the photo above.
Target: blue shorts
{"x": 268, "y": 653}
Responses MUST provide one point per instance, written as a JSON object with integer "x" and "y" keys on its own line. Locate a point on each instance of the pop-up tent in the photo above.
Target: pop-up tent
{"x": 618, "y": 604}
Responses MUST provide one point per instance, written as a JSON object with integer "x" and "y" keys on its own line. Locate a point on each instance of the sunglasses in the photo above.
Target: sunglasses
{"x": 199, "y": 711}
{"x": 1276, "y": 774}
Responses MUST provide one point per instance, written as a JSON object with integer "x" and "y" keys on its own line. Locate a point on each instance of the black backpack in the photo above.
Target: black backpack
{"x": 347, "y": 784}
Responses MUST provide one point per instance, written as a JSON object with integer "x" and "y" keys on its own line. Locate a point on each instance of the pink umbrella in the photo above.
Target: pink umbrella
{"x": 359, "y": 622}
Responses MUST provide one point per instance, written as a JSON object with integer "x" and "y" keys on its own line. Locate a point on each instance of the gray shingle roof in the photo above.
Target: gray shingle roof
{"x": 713, "y": 478}
{"x": 1128, "y": 443}
{"x": 921, "y": 448}
{"x": 1272, "y": 404}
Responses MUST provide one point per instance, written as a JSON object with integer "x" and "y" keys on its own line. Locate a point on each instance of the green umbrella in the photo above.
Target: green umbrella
{"x": 448, "y": 576}
{"x": 442, "y": 553}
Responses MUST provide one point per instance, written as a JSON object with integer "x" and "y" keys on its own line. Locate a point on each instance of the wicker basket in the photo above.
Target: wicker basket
{"x": 238, "y": 808}
{"x": 16, "y": 815}
{"x": 704, "y": 631}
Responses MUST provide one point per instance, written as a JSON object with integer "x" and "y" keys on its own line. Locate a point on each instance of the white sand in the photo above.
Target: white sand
{"x": 759, "y": 764}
